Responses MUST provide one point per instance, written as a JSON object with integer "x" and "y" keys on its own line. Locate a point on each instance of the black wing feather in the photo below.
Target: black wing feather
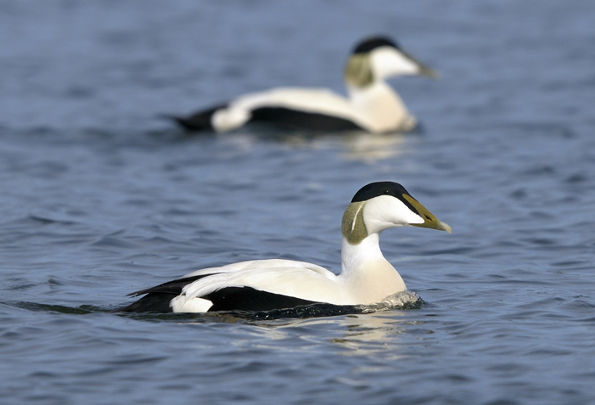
{"x": 171, "y": 287}
{"x": 157, "y": 298}
{"x": 199, "y": 121}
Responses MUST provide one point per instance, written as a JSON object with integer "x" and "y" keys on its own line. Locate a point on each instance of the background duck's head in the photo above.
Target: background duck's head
{"x": 378, "y": 58}
{"x": 382, "y": 205}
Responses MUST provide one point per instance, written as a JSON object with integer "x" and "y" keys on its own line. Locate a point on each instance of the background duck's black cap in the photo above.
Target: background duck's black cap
{"x": 371, "y": 43}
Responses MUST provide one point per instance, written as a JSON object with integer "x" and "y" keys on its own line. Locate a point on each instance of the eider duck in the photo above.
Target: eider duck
{"x": 366, "y": 277}
{"x": 372, "y": 105}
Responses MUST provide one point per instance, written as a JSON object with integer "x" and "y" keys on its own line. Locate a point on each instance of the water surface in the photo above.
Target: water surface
{"x": 100, "y": 198}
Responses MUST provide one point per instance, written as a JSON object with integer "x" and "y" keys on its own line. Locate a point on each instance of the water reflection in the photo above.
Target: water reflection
{"x": 371, "y": 148}
{"x": 370, "y": 333}
{"x": 352, "y": 145}
{"x": 374, "y": 330}
{"x": 353, "y": 335}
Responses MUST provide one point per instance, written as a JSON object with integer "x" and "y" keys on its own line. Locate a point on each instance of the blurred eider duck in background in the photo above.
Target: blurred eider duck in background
{"x": 263, "y": 285}
{"x": 372, "y": 105}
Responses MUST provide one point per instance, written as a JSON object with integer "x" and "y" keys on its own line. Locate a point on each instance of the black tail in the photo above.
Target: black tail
{"x": 157, "y": 298}
{"x": 154, "y": 302}
{"x": 199, "y": 121}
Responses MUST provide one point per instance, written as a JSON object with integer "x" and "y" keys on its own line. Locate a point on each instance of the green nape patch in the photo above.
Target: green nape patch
{"x": 353, "y": 226}
{"x": 358, "y": 71}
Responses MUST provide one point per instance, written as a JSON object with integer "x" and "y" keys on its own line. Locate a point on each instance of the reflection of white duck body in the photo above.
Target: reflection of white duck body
{"x": 366, "y": 276}
{"x": 372, "y": 104}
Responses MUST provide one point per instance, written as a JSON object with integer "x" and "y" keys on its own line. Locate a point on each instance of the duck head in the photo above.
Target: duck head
{"x": 382, "y": 205}
{"x": 379, "y": 58}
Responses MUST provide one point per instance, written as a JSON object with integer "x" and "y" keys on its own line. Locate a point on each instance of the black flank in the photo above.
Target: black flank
{"x": 302, "y": 119}
{"x": 250, "y": 299}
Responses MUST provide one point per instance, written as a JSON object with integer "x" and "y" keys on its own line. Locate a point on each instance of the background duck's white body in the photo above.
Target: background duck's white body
{"x": 375, "y": 109}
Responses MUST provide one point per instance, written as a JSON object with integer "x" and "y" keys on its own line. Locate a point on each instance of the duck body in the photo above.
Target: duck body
{"x": 366, "y": 277}
{"x": 372, "y": 105}
{"x": 319, "y": 109}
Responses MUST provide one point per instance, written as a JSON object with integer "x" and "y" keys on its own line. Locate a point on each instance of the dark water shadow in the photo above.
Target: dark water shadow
{"x": 273, "y": 133}
{"x": 355, "y": 145}
{"x": 318, "y": 310}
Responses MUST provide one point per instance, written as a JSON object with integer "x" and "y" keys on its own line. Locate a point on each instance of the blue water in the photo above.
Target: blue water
{"x": 100, "y": 198}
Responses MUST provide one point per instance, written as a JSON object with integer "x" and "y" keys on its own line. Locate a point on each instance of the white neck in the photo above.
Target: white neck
{"x": 353, "y": 257}
{"x": 367, "y": 275}
{"x": 380, "y": 107}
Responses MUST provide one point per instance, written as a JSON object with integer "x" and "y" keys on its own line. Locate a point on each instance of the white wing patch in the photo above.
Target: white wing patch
{"x": 279, "y": 276}
{"x": 195, "y": 305}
